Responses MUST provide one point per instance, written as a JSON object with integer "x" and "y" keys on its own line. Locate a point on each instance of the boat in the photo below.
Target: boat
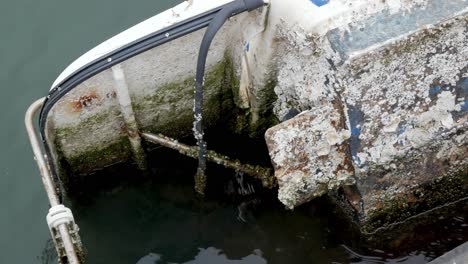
{"x": 365, "y": 98}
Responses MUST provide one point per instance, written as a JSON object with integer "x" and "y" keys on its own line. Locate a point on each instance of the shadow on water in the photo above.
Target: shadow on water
{"x": 129, "y": 218}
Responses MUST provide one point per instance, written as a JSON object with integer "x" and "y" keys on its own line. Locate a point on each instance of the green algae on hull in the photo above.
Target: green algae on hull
{"x": 169, "y": 110}
{"x": 111, "y": 154}
{"x": 254, "y": 121}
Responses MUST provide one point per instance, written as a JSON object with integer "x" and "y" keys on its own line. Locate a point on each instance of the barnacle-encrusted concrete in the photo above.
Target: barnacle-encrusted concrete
{"x": 309, "y": 155}
{"x": 383, "y": 102}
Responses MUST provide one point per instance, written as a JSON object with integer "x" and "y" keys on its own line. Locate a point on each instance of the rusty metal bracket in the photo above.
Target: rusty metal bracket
{"x": 258, "y": 172}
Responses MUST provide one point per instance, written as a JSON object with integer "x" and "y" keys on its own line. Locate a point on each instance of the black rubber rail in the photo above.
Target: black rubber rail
{"x": 213, "y": 28}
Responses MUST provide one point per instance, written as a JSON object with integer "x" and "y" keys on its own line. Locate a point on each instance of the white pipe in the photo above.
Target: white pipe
{"x": 125, "y": 101}
{"x": 68, "y": 244}
{"x": 38, "y": 156}
{"x": 47, "y": 179}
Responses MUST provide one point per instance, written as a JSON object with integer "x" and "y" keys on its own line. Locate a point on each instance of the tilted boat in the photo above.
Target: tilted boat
{"x": 367, "y": 97}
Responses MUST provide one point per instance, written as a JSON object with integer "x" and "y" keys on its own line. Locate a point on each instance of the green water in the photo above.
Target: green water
{"x": 38, "y": 40}
{"x": 146, "y": 220}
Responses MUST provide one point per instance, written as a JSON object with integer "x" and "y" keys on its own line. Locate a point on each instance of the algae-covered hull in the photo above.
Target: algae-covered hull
{"x": 94, "y": 116}
{"x": 381, "y": 88}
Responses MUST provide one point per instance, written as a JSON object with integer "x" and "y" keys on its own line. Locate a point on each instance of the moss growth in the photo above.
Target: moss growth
{"x": 170, "y": 112}
{"x": 169, "y": 109}
{"x": 87, "y": 159}
{"x": 115, "y": 152}
{"x": 255, "y": 121}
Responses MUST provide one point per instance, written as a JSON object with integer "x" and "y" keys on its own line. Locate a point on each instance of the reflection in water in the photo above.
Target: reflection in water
{"x": 162, "y": 214}
{"x": 209, "y": 255}
{"x": 413, "y": 258}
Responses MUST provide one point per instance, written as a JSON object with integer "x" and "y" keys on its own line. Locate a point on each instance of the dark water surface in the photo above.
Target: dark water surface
{"x": 159, "y": 219}
{"x": 156, "y": 219}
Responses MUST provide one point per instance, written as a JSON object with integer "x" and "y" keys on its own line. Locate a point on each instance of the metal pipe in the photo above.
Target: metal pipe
{"x": 47, "y": 181}
{"x": 72, "y": 257}
{"x": 261, "y": 173}
{"x": 38, "y": 156}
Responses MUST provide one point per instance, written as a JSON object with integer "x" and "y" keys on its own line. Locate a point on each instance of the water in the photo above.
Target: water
{"x": 38, "y": 40}
{"x": 158, "y": 218}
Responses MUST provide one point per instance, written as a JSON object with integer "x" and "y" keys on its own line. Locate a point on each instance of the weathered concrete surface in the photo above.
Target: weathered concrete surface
{"x": 88, "y": 124}
{"x": 91, "y": 127}
{"x": 309, "y": 155}
{"x": 384, "y": 108}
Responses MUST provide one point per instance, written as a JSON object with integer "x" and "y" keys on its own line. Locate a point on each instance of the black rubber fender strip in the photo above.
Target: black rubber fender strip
{"x": 213, "y": 28}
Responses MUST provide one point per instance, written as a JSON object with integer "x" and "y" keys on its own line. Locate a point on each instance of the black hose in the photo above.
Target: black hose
{"x": 213, "y": 28}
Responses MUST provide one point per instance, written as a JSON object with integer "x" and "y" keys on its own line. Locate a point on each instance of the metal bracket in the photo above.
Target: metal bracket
{"x": 258, "y": 172}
